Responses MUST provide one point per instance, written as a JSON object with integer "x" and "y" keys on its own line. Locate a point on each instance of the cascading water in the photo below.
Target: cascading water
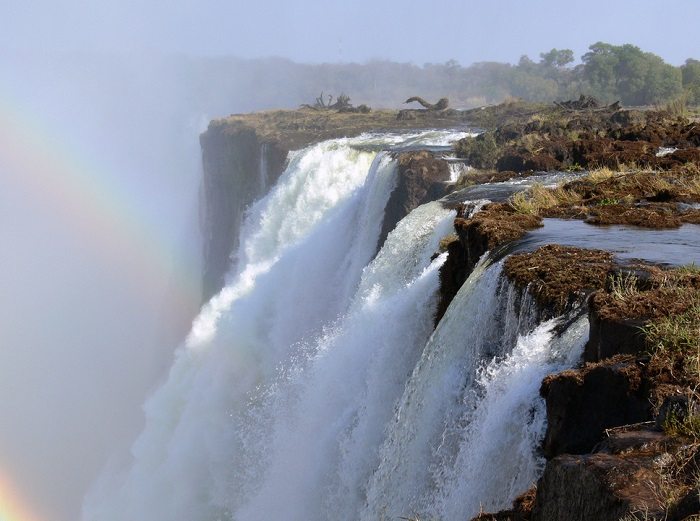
{"x": 313, "y": 386}
{"x": 483, "y": 322}
{"x": 323, "y": 445}
{"x": 504, "y": 423}
{"x": 302, "y": 251}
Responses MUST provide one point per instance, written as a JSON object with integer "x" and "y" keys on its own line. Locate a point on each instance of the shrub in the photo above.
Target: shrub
{"x": 480, "y": 151}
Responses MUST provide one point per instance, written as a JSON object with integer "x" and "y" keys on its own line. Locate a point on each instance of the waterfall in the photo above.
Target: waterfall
{"x": 468, "y": 426}
{"x": 327, "y": 437}
{"x": 303, "y": 249}
{"x": 263, "y": 173}
{"x": 313, "y": 386}
{"x": 504, "y": 423}
{"x": 478, "y": 325}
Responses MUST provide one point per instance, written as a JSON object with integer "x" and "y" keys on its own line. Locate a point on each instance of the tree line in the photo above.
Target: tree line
{"x": 608, "y": 72}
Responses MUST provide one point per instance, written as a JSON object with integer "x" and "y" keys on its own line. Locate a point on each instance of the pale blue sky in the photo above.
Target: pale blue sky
{"x": 353, "y": 30}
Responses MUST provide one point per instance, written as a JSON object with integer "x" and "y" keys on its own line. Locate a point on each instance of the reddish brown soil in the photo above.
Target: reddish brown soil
{"x": 496, "y": 224}
{"x": 559, "y": 276}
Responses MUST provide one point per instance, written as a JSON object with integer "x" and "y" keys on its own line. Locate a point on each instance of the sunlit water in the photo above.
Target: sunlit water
{"x": 676, "y": 246}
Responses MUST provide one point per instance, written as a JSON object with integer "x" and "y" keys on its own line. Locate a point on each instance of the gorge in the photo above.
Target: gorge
{"x": 387, "y": 334}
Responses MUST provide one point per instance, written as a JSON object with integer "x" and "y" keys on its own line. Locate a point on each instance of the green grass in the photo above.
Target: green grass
{"x": 677, "y": 337}
{"x": 674, "y": 339}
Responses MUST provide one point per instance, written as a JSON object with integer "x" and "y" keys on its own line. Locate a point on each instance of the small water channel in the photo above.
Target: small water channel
{"x": 501, "y": 191}
{"x": 673, "y": 247}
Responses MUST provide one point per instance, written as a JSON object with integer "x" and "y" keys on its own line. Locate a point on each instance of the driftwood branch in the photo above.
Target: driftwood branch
{"x": 442, "y": 103}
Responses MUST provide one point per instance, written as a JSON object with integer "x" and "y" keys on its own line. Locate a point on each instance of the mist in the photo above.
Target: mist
{"x": 99, "y": 265}
{"x": 101, "y": 259}
{"x": 101, "y": 105}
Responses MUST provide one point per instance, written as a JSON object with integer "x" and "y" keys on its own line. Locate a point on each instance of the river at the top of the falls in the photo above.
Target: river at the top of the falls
{"x": 673, "y": 247}
{"x": 313, "y": 386}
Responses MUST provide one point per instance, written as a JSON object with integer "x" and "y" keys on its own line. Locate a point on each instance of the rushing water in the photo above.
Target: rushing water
{"x": 314, "y": 388}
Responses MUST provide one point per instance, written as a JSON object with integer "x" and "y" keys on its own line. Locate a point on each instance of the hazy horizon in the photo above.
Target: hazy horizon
{"x": 318, "y": 32}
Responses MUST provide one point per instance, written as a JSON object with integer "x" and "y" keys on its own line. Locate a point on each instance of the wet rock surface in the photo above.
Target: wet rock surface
{"x": 231, "y": 165}
{"x": 583, "y": 403}
{"x": 495, "y": 225}
{"x": 453, "y": 273}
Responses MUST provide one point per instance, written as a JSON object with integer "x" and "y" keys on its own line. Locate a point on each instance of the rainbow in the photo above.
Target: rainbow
{"x": 13, "y": 506}
{"x": 37, "y": 163}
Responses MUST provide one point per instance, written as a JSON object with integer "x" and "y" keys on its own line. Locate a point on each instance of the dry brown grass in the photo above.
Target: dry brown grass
{"x": 538, "y": 198}
{"x": 667, "y": 302}
{"x": 636, "y": 181}
{"x": 600, "y": 174}
{"x": 559, "y": 276}
{"x": 609, "y": 196}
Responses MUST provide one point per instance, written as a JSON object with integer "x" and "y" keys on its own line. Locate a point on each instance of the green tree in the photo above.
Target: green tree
{"x": 627, "y": 73}
{"x": 599, "y": 70}
{"x": 557, "y": 58}
{"x": 690, "y": 71}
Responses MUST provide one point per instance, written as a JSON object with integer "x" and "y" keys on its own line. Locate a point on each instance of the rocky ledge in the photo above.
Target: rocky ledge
{"x": 296, "y": 129}
{"x": 643, "y": 167}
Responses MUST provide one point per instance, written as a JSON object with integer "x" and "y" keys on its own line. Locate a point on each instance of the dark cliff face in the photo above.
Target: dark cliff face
{"x": 421, "y": 177}
{"x": 583, "y": 403}
{"x": 239, "y": 168}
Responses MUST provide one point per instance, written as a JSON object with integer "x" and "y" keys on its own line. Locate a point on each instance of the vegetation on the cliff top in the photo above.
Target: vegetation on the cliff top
{"x": 559, "y": 276}
{"x": 643, "y": 168}
{"x": 667, "y": 303}
{"x": 294, "y": 129}
{"x": 674, "y": 336}
{"x": 647, "y": 198}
